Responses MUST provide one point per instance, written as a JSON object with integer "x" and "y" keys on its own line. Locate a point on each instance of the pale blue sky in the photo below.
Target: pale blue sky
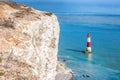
{"x": 107, "y": 2}
{"x": 76, "y": 6}
{"x": 81, "y": 1}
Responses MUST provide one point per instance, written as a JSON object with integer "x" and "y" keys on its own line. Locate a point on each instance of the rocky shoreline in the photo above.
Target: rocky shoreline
{"x": 63, "y": 73}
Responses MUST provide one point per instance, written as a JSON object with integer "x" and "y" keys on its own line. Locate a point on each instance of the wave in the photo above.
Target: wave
{"x": 94, "y": 70}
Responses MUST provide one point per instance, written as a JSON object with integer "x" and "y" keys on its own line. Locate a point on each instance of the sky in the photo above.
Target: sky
{"x": 78, "y": 6}
{"x": 81, "y": 1}
{"x": 102, "y": 2}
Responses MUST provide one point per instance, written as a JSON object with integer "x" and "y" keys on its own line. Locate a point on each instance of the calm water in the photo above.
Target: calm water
{"x": 105, "y": 39}
{"x": 103, "y": 22}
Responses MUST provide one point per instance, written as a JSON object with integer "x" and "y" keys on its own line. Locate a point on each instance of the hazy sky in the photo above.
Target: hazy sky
{"x": 108, "y": 2}
{"x": 81, "y": 1}
{"x": 86, "y": 1}
{"x": 78, "y": 6}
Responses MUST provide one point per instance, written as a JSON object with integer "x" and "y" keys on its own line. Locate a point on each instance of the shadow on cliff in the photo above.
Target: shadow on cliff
{"x": 75, "y": 50}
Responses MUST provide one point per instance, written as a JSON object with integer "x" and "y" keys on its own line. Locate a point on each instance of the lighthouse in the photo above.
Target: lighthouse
{"x": 88, "y": 49}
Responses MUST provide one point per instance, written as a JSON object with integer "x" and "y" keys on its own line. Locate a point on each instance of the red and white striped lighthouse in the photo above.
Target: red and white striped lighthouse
{"x": 88, "y": 50}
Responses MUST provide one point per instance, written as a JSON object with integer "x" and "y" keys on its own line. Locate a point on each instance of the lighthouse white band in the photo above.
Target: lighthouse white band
{"x": 88, "y": 40}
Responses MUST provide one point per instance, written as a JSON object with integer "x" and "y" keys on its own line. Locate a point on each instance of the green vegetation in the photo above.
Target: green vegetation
{"x": 2, "y": 72}
{"x": 48, "y": 14}
{"x": 0, "y": 59}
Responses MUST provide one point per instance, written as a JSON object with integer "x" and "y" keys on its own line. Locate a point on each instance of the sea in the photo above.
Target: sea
{"x": 76, "y": 21}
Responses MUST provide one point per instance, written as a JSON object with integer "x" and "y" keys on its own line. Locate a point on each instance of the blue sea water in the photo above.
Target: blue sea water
{"x": 103, "y": 23}
{"x": 105, "y": 40}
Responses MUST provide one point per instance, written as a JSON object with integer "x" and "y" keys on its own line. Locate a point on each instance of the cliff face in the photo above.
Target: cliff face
{"x": 29, "y": 44}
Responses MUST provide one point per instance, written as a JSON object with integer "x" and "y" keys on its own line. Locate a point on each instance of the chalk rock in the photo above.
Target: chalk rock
{"x": 28, "y": 43}
{"x": 63, "y": 73}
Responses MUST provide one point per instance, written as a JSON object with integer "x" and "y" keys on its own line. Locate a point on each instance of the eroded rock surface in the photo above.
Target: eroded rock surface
{"x": 28, "y": 43}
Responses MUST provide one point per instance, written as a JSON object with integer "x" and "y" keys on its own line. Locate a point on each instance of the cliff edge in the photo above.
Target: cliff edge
{"x": 29, "y": 44}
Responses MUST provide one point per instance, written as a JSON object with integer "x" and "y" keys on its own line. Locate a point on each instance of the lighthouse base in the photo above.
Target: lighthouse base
{"x": 88, "y": 52}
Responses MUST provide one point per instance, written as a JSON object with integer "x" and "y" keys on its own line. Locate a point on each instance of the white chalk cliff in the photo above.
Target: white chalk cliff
{"x": 29, "y": 44}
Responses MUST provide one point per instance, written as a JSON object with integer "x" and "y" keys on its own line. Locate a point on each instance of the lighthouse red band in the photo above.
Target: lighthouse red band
{"x": 88, "y": 50}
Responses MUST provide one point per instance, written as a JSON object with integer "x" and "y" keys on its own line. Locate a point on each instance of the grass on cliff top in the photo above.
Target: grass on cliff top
{"x": 12, "y": 4}
{"x": 48, "y": 13}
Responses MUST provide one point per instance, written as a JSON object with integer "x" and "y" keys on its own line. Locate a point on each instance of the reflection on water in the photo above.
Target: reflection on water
{"x": 89, "y": 57}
